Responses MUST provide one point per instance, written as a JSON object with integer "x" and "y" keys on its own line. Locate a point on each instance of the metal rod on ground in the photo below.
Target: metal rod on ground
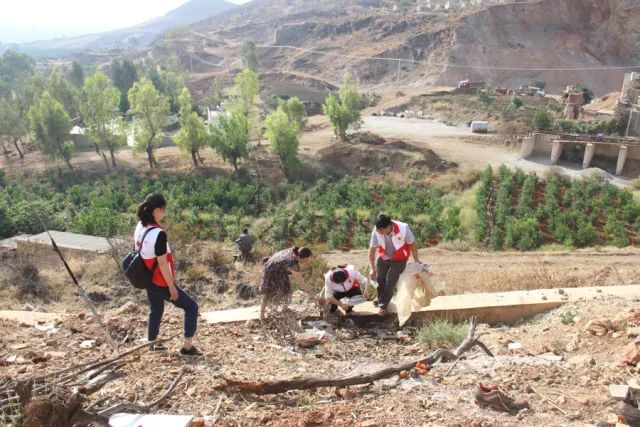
{"x": 81, "y": 290}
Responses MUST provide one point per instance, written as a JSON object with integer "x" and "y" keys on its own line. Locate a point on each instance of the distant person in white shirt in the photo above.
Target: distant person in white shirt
{"x": 393, "y": 241}
{"x": 344, "y": 281}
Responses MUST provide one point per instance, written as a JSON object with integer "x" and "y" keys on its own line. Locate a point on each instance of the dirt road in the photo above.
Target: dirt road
{"x": 470, "y": 151}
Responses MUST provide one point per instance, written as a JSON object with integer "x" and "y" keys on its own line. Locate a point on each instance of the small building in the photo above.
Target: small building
{"x": 628, "y": 109}
{"x": 573, "y": 107}
{"x": 214, "y": 115}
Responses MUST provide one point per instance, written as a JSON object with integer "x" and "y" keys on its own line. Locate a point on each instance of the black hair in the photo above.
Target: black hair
{"x": 245, "y": 230}
{"x": 339, "y": 276}
{"x": 383, "y": 221}
{"x": 302, "y": 252}
{"x": 146, "y": 208}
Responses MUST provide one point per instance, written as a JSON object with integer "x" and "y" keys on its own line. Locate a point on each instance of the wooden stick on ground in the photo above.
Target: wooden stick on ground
{"x": 301, "y": 383}
{"x": 550, "y": 401}
{"x": 128, "y": 406}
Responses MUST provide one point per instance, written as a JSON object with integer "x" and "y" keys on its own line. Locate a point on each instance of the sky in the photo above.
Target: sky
{"x": 23, "y": 20}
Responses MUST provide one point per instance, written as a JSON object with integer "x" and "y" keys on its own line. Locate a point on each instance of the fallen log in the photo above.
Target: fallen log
{"x": 306, "y": 383}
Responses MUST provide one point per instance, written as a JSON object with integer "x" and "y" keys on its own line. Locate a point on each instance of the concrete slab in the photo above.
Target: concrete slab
{"x": 155, "y": 420}
{"x": 70, "y": 241}
{"x": 12, "y": 242}
{"x": 492, "y": 308}
{"x": 509, "y": 307}
{"x": 29, "y": 317}
{"x": 230, "y": 316}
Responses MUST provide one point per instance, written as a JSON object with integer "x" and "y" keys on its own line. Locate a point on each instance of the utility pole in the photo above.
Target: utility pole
{"x": 398, "y": 79}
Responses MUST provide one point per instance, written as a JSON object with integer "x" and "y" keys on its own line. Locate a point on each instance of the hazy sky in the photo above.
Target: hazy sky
{"x": 71, "y": 16}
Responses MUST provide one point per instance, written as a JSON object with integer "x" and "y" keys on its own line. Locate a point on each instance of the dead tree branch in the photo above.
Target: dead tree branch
{"x": 301, "y": 383}
{"x": 128, "y": 406}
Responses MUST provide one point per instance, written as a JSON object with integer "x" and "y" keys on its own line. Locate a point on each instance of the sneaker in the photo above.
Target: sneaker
{"x": 494, "y": 398}
{"x": 192, "y": 352}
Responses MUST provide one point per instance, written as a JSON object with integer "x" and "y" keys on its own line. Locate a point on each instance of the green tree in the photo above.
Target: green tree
{"x": 65, "y": 93}
{"x": 100, "y": 106}
{"x": 282, "y": 133}
{"x": 451, "y": 224}
{"x": 123, "y": 74}
{"x": 6, "y": 223}
{"x": 295, "y": 110}
{"x": 170, "y": 84}
{"x": 50, "y": 125}
{"x": 151, "y": 113}
{"x": 15, "y": 67}
{"x": 249, "y": 55}
{"x": 217, "y": 92}
{"x": 12, "y": 124}
{"x": 343, "y": 110}
{"x": 192, "y": 136}
{"x": 231, "y": 139}
{"x": 542, "y": 120}
{"x": 245, "y": 91}
{"x": 76, "y": 75}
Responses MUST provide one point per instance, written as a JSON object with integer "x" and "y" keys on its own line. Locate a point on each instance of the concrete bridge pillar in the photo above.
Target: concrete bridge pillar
{"x": 556, "y": 152}
{"x": 529, "y": 145}
{"x": 589, "y": 151}
{"x": 622, "y": 158}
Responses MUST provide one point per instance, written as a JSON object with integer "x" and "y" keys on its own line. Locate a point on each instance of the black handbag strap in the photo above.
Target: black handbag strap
{"x": 144, "y": 236}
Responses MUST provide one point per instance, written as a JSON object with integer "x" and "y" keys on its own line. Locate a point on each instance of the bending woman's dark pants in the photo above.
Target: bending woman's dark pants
{"x": 157, "y": 296}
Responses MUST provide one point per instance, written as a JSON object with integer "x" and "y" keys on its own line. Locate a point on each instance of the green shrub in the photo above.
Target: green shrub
{"x": 523, "y": 233}
{"x": 442, "y": 333}
{"x": 585, "y": 233}
{"x": 451, "y": 224}
{"x": 615, "y": 233}
{"x": 542, "y": 120}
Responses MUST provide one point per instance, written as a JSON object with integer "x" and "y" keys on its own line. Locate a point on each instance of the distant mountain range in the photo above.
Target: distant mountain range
{"x": 142, "y": 34}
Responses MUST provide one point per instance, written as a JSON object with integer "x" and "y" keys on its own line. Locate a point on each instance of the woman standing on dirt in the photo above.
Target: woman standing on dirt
{"x": 275, "y": 285}
{"x": 151, "y": 242}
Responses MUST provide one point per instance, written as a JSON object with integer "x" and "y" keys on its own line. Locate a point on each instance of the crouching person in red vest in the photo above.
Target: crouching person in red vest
{"x": 393, "y": 241}
{"x": 341, "y": 282}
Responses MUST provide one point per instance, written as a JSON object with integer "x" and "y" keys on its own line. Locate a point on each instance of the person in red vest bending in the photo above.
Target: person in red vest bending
{"x": 344, "y": 281}
{"x": 393, "y": 241}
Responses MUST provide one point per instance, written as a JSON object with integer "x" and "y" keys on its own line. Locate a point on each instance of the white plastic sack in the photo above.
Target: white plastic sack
{"x": 414, "y": 291}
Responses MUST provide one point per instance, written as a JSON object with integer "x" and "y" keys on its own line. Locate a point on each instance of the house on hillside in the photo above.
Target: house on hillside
{"x": 628, "y": 108}
{"x": 214, "y": 115}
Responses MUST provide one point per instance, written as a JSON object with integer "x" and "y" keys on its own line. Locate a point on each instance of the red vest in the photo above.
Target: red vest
{"x": 402, "y": 249}
{"x": 148, "y": 254}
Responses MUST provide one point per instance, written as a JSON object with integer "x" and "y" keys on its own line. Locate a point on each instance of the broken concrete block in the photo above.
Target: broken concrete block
{"x": 633, "y": 332}
{"x": 307, "y": 339}
{"x": 154, "y": 420}
{"x": 129, "y": 307}
{"x": 514, "y": 346}
{"x": 551, "y": 357}
{"x": 88, "y": 344}
{"x": 599, "y": 328}
{"x": 618, "y": 392}
{"x": 631, "y": 354}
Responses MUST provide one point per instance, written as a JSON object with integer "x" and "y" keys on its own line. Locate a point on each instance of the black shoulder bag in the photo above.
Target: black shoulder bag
{"x": 135, "y": 269}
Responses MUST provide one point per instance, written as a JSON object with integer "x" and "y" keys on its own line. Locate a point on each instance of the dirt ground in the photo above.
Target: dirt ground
{"x": 576, "y": 382}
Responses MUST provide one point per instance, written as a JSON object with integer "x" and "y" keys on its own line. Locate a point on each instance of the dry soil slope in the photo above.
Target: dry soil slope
{"x": 549, "y": 33}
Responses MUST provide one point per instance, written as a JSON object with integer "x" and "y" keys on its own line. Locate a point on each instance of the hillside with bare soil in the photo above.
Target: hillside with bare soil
{"x": 509, "y": 44}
